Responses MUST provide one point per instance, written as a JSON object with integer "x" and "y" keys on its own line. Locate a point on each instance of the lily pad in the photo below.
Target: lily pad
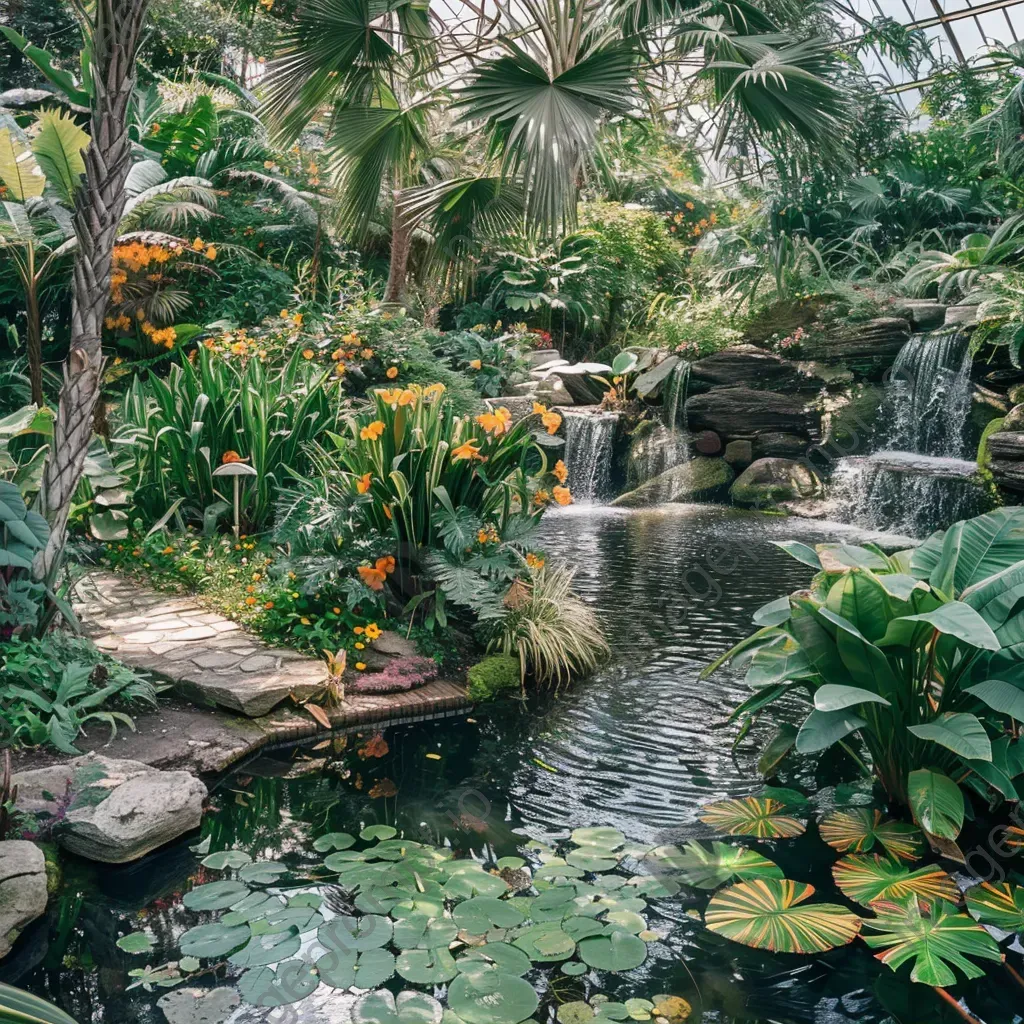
{"x": 333, "y": 841}
{"x": 573, "y": 968}
{"x": 510, "y": 959}
{"x": 867, "y": 877}
{"x": 859, "y": 829}
{"x": 372, "y": 832}
{"x": 546, "y": 943}
{"x": 213, "y": 940}
{"x": 492, "y": 996}
{"x": 226, "y": 859}
{"x": 575, "y": 1013}
{"x": 708, "y": 868}
{"x": 293, "y": 980}
{"x": 367, "y": 969}
{"x": 619, "y": 951}
{"x": 420, "y": 931}
{"x": 752, "y": 816}
{"x": 215, "y": 895}
{"x": 345, "y": 934}
{"x": 381, "y": 1007}
{"x": 263, "y": 950}
{"x": 137, "y": 942}
{"x": 480, "y": 914}
{"x": 253, "y": 907}
{"x": 426, "y": 966}
{"x": 262, "y": 872}
{"x": 471, "y": 880}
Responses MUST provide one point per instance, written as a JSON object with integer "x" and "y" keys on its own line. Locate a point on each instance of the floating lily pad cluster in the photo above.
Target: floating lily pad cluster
{"x": 414, "y": 911}
{"x": 915, "y": 909}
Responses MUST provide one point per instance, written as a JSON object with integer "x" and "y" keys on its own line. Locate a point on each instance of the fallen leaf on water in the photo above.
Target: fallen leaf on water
{"x": 544, "y": 765}
{"x": 434, "y": 757}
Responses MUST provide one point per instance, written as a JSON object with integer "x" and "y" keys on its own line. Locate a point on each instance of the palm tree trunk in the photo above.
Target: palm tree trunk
{"x": 116, "y": 30}
{"x": 401, "y": 244}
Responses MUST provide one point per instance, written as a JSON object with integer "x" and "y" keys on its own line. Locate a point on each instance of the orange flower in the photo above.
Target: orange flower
{"x": 360, "y": 666}
{"x": 197, "y": 244}
{"x": 541, "y": 497}
{"x": 372, "y": 431}
{"x": 211, "y": 252}
{"x": 387, "y": 512}
{"x": 390, "y": 396}
{"x": 561, "y": 473}
{"x": 476, "y": 364}
{"x": 552, "y": 421}
{"x": 468, "y": 450}
{"x": 167, "y": 550}
{"x": 367, "y": 353}
{"x": 497, "y": 422}
{"x": 562, "y": 495}
{"x": 269, "y": 605}
{"x": 373, "y": 578}
{"x": 307, "y": 353}
{"x": 250, "y": 601}
{"x": 228, "y": 457}
{"x": 407, "y": 397}
{"x": 363, "y": 483}
{"x": 539, "y": 410}
{"x": 386, "y": 564}
{"x": 534, "y": 561}
{"x": 392, "y": 372}
{"x": 373, "y": 631}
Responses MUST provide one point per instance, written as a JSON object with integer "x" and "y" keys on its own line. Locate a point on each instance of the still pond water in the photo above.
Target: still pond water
{"x": 635, "y": 748}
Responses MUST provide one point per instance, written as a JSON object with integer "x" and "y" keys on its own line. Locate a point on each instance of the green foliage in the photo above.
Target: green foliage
{"x": 493, "y": 364}
{"x": 20, "y": 1007}
{"x": 493, "y": 677}
{"x": 52, "y": 687}
{"x": 175, "y": 432}
{"x": 915, "y": 656}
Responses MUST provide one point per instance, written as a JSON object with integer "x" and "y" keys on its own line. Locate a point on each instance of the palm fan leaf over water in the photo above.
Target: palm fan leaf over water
{"x": 772, "y": 914}
{"x": 867, "y": 877}
{"x": 936, "y": 940}
{"x": 999, "y": 904}
{"x": 762, "y": 817}
{"x": 859, "y": 829}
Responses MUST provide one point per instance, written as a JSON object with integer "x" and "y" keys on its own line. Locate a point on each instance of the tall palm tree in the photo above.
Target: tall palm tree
{"x": 114, "y": 31}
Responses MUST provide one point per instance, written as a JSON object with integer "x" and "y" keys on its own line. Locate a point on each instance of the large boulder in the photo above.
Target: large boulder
{"x": 110, "y": 810}
{"x": 923, "y": 314}
{"x": 1006, "y": 458}
{"x": 741, "y": 412}
{"x": 777, "y": 444}
{"x": 869, "y": 347}
{"x": 753, "y": 367}
{"x": 700, "y": 477}
{"x": 22, "y": 889}
{"x": 768, "y": 482}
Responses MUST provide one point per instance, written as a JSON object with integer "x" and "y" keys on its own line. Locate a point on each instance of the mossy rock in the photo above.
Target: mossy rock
{"x": 492, "y": 677}
{"x": 700, "y": 478}
{"x": 770, "y": 481}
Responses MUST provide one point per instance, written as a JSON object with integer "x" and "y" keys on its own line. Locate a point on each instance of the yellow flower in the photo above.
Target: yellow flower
{"x": 373, "y": 631}
{"x": 552, "y": 421}
{"x": 433, "y": 390}
{"x": 539, "y": 410}
{"x": 197, "y": 243}
{"x": 407, "y": 397}
{"x": 211, "y": 252}
{"x": 390, "y": 396}
{"x": 307, "y": 353}
{"x": 562, "y": 495}
{"x": 367, "y": 353}
{"x": 360, "y": 666}
{"x": 297, "y": 318}
{"x": 497, "y": 422}
{"x": 476, "y": 364}
{"x": 283, "y": 314}
{"x": 467, "y": 450}
{"x": 534, "y": 561}
{"x": 541, "y": 497}
{"x": 561, "y": 473}
{"x": 304, "y": 621}
{"x": 359, "y": 645}
{"x": 363, "y": 483}
{"x": 392, "y": 372}
{"x": 372, "y": 431}
{"x": 267, "y": 164}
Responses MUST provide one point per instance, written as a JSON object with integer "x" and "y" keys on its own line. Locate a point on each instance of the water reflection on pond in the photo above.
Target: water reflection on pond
{"x": 634, "y": 748}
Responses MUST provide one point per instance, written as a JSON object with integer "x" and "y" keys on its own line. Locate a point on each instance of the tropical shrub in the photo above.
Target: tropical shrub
{"x": 555, "y": 635}
{"x": 915, "y": 657}
{"x": 179, "y": 433}
{"x": 493, "y": 364}
{"x": 52, "y": 687}
{"x": 23, "y": 534}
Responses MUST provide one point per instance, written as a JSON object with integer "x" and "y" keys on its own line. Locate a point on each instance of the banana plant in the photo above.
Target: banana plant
{"x": 916, "y": 659}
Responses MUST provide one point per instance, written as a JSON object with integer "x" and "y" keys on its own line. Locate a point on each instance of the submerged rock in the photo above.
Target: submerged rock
{"x": 701, "y": 477}
{"x": 768, "y": 482}
{"x": 110, "y": 810}
{"x": 22, "y": 889}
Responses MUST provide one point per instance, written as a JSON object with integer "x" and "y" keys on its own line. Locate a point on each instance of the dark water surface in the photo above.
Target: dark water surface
{"x": 634, "y": 748}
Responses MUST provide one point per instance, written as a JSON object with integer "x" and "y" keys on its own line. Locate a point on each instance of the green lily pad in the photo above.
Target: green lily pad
{"x": 426, "y": 966}
{"x": 492, "y": 997}
{"x": 546, "y": 943}
{"x": 471, "y": 880}
{"x": 253, "y": 907}
{"x": 510, "y": 959}
{"x": 262, "y": 872}
{"x": 368, "y": 969}
{"x": 301, "y": 919}
{"x": 334, "y": 841}
{"x": 627, "y": 920}
{"x": 482, "y": 913}
{"x": 293, "y": 980}
{"x": 213, "y": 940}
{"x": 588, "y": 860}
{"x": 639, "y": 1009}
{"x": 422, "y": 932}
{"x": 619, "y": 951}
{"x": 226, "y": 859}
{"x": 381, "y": 1007}
{"x": 137, "y": 942}
{"x": 576, "y": 1012}
{"x": 345, "y": 934}
{"x": 372, "y": 832}
{"x": 263, "y": 950}
{"x": 606, "y": 838}
{"x": 573, "y": 968}
{"x": 215, "y": 895}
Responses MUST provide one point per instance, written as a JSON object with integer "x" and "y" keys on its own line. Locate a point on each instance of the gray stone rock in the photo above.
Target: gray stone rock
{"x": 739, "y": 453}
{"x": 395, "y": 645}
{"x": 120, "y": 810}
{"x": 701, "y": 477}
{"x": 1014, "y": 419}
{"x": 961, "y": 316}
{"x": 739, "y": 412}
{"x": 770, "y": 481}
{"x": 873, "y": 344}
{"x": 1006, "y": 444}
{"x": 924, "y": 314}
{"x": 776, "y": 444}
{"x": 22, "y": 889}
{"x": 540, "y": 357}
{"x": 753, "y": 367}
{"x": 199, "y": 1005}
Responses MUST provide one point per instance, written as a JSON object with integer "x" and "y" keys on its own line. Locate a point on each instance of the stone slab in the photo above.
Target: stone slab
{"x": 22, "y": 889}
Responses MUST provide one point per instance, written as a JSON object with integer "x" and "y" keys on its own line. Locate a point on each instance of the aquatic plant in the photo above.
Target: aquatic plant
{"x": 917, "y": 656}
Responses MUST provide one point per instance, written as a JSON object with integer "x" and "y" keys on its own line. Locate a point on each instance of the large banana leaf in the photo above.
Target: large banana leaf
{"x": 937, "y": 802}
{"x": 19, "y": 1007}
{"x": 773, "y": 914}
{"x": 859, "y": 829}
{"x": 999, "y": 904}
{"x": 752, "y": 816}
{"x": 957, "y": 731}
{"x": 867, "y": 877}
{"x": 936, "y": 940}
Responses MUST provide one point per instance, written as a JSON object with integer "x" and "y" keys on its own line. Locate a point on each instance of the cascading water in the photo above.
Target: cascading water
{"x": 589, "y": 438}
{"x": 922, "y": 479}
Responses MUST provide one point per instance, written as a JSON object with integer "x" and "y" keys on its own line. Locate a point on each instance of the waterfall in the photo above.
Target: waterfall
{"x": 922, "y": 478}
{"x": 589, "y": 437}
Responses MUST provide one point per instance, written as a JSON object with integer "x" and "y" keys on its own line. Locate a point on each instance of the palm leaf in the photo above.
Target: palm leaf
{"x": 772, "y": 914}
{"x": 752, "y": 816}
{"x": 707, "y": 868}
{"x": 59, "y": 147}
{"x": 858, "y": 829}
{"x": 18, "y": 168}
{"x": 999, "y": 904}
{"x": 867, "y": 877}
{"x": 936, "y": 940}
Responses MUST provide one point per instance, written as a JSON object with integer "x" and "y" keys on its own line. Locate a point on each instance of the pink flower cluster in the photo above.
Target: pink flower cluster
{"x": 399, "y": 675}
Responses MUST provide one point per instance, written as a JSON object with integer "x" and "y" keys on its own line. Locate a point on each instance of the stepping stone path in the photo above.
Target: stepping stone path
{"x": 209, "y": 658}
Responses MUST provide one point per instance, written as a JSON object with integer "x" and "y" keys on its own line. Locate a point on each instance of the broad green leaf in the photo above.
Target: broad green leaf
{"x": 960, "y": 620}
{"x": 836, "y": 697}
{"x": 619, "y": 951}
{"x": 59, "y": 147}
{"x": 263, "y": 950}
{"x": 778, "y": 661}
{"x": 215, "y": 895}
{"x": 801, "y": 552}
{"x": 21, "y": 1007}
{"x": 426, "y": 966}
{"x": 777, "y": 749}
{"x": 382, "y": 1007}
{"x": 860, "y": 598}
{"x": 999, "y": 904}
{"x": 821, "y": 729}
{"x": 867, "y": 877}
{"x": 213, "y": 940}
{"x": 751, "y": 816}
{"x": 936, "y": 940}
{"x": 501, "y": 954}
{"x": 226, "y": 859}
{"x": 368, "y": 969}
{"x": 288, "y": 983}
{"x": 987, "y": 544}
{"x": 957, "y": 731}
{"x": 838, "y": 557}
{"x": 137, "y": 942}
{"x": 262, "y": 872}
{"x": 773, "y": 914}
{"x": 345, "y": 934}
{"x": 774, "y": 613}
{"x": 372, "y": 832}
{"x": 697, "y": 865}
{"x": 865, "y": 663}
{"x": 333, "y": 841}
{"x": 1002, "y": 696}
{"x": 482, "y": 913}
{"x": 937, "y": 803}
{"x": 18, "y": 168}
{"x": 492, "y": 996}
{"x": 858, "y": 829}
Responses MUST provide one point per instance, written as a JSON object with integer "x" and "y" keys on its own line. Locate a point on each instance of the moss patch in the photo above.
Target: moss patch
{"x": 492, "y": 677}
